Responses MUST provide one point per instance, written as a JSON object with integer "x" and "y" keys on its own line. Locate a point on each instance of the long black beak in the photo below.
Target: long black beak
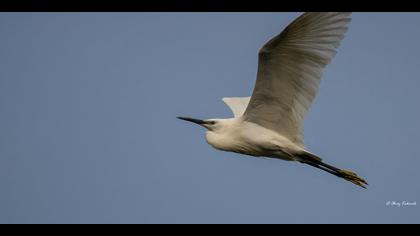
{"x": 197, "y": 121}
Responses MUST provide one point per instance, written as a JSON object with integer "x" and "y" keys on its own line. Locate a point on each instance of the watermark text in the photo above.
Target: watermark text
{"x": 401, "y": 203}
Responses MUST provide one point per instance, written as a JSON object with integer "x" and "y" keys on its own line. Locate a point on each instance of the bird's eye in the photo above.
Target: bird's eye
{"x": 212, "y": 122}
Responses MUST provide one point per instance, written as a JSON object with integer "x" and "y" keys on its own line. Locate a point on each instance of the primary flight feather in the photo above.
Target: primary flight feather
{"x": 290, "y": 66}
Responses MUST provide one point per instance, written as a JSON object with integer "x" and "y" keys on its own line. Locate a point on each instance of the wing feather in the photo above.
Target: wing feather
{"x": 237, "y": 105}
{"x": 289, "y": 71}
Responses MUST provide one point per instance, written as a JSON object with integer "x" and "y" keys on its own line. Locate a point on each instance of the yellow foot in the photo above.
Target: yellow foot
{"x": 352, "y": 177}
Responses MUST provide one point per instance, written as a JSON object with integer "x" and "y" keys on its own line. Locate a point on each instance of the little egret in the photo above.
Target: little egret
{"x": 290, "y": 65}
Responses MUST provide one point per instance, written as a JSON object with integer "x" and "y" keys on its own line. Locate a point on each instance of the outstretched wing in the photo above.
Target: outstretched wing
{"x": 237, "y": 105}
{"x": 289, "y": 71}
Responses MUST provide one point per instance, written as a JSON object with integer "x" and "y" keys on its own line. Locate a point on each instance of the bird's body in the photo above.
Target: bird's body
{"x": 269, "y": 123}
{"x": 237, "y": 135}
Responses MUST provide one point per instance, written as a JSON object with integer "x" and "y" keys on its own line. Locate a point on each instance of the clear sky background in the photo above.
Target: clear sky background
{"x": 88, "y": 132}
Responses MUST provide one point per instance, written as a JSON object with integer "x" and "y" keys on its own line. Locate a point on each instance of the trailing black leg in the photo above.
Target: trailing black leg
{"x": 316, "y": 162}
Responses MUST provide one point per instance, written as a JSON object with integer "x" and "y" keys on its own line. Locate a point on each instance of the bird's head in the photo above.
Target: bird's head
{"x": 210, "y": 124}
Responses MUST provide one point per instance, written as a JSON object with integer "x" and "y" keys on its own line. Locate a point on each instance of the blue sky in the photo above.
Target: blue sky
{"x": 88, "y": 131}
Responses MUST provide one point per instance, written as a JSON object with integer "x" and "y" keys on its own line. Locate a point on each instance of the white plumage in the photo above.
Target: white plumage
{"x": 237, "y": 105}
{"x": 290, "y": 65}
{"x": 289, "y": 72}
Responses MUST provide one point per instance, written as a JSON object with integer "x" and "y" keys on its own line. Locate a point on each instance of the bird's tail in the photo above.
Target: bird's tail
{"x": 315, "y": 161}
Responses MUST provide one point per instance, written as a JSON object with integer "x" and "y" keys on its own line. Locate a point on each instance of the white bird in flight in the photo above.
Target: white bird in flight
{"x": 290, "y": 65}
